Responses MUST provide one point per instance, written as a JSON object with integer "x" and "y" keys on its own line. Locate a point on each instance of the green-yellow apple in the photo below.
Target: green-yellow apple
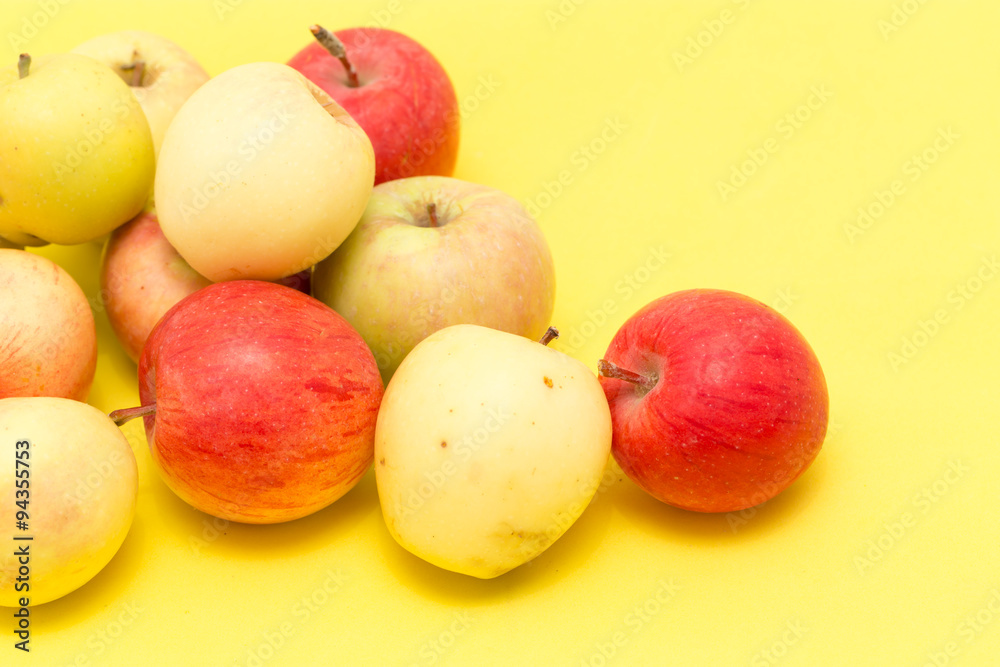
{"x": 488, "y": 446}
{"x": 261, "y": 175}
{"x": 161, "y": 74}
{"x": 72, "y": 473}
{"x": 76, "y": 153}
{"x": 431, "y": 252}
{"x": 48, "y": 344}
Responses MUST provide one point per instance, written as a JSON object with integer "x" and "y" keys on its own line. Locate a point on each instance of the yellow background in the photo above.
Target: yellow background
{"x": 854, "y": 564}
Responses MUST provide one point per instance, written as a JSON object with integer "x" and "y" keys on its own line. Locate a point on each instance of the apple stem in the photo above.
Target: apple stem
{"x": 609, "y": 370}
{"x": 124, "y": 415}
{"x": 23, "y": 63}
{"x": 336, "y": 48}
{"x": 432, "y": 213}
{"x": 550, "y": 335}
{"x": 137, "y": 68}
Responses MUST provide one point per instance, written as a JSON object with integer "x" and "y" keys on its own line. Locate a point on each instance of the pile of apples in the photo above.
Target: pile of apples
{"x": 308, "y": 293}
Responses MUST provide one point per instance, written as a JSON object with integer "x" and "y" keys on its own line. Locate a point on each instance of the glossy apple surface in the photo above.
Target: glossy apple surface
{"x": 81, "y": 480}
{"x": 274, "y": 192}
{"x": 48, "y": 343}
{"x": 168, "y": 74}
{"x": 76, "y": 153}
{"x": 397, "y": 279}
{"x": 405, "y": 102}
{"x": 488, "y": 447}
{"x": 265, "y": 402}
{"x": 736, "y": 403}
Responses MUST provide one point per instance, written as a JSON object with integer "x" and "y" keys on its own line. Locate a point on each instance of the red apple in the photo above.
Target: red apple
{"x": 718, "y": 403}
{"x": 142, "y": 277}
{"x": 398, "y": 93}
{"x": 265, "y": 402}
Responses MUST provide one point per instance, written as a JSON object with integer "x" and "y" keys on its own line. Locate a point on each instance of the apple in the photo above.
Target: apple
{"x": 397, "y": 92}
{"x": 718, "y": 402}
{"x": 48, "y": 343}
{"x": 143, "y": 276}
{"x": 72, "y": 473}
{"x": 160, "y": 73}
{"x": 76, "y": 153}
{"x": 259, "y": 402}
{"x": 261, "y": 175}
{"x": 430, "y": 252}
{"x": 488, "y": 447}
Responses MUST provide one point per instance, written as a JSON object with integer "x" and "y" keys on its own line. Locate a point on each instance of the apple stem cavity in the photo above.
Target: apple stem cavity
{"x": 432, "y": 214}
{"x": 138, "y": 68}
{"x": 550, "y": 335}
{"x": 609, "y": 370}
{"x": 23, "y": 65}
{"x": 336, "y": 48}
{"x": 120, "y": 417}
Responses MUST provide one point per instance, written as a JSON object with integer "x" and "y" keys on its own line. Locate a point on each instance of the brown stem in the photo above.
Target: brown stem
{"x": 432, "y": 213}
{"x": 124, "y": 415}
{"x": 609, "y": 370}
{"x": 23, "y": 64}
{"x": 336, "y": 48}
{"x": 138, "y": 68}
{"x": 550, "y": 334}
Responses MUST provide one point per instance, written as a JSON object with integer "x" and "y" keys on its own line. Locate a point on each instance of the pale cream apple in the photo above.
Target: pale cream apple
{"x": 142, "y": 276}
{"x": 75, "y": 476}
{"x": 431, "y": 252}
{"x": 261, "y": 175}
{"x": 48, "y": 344}
{"x": 76, "y": 153}
{"x": 488, "y": 446}
{"x": 161, "y": 74}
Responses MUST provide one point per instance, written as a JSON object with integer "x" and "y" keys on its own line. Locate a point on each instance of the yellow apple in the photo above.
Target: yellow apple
{"x": 73, "y": 474}
{"x": 261, "y": 175}
{"x": 167, "y": 76}
{"x": 488, "y": 446}
{"x": 76, "y": 153}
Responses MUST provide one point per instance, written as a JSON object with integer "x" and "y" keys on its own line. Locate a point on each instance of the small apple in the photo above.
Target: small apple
{"x": 396, "y": 90}
{"x": 48, "y": 343}
{"x": 160, "y": 73}
{"x": 259, "y": 402}
{"x": 433, "y": 251}
{"x": 718, "y": 402}
{"x": 488, "y": 447}
{"x": 72, "y": 473}
{"x": 76, "y": 153}
{"x": 261, "y": 175}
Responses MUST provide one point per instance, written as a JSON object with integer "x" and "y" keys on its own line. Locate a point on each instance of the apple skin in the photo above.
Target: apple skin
{"x": 143, "y": 276}
{"x": 70, "y": 173}
{"x": 266, "y": 402}
{"x": 488, "y": 447}
{"x": 171, "y": 74}
{"x": 397, "y": 281}
{"x": 740, "y": 405}
{"x": 48, "y": 343}
{"x": 405, "y": 103}
{"x": 82, "y": 488}
{"x": 273, "y": 193}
